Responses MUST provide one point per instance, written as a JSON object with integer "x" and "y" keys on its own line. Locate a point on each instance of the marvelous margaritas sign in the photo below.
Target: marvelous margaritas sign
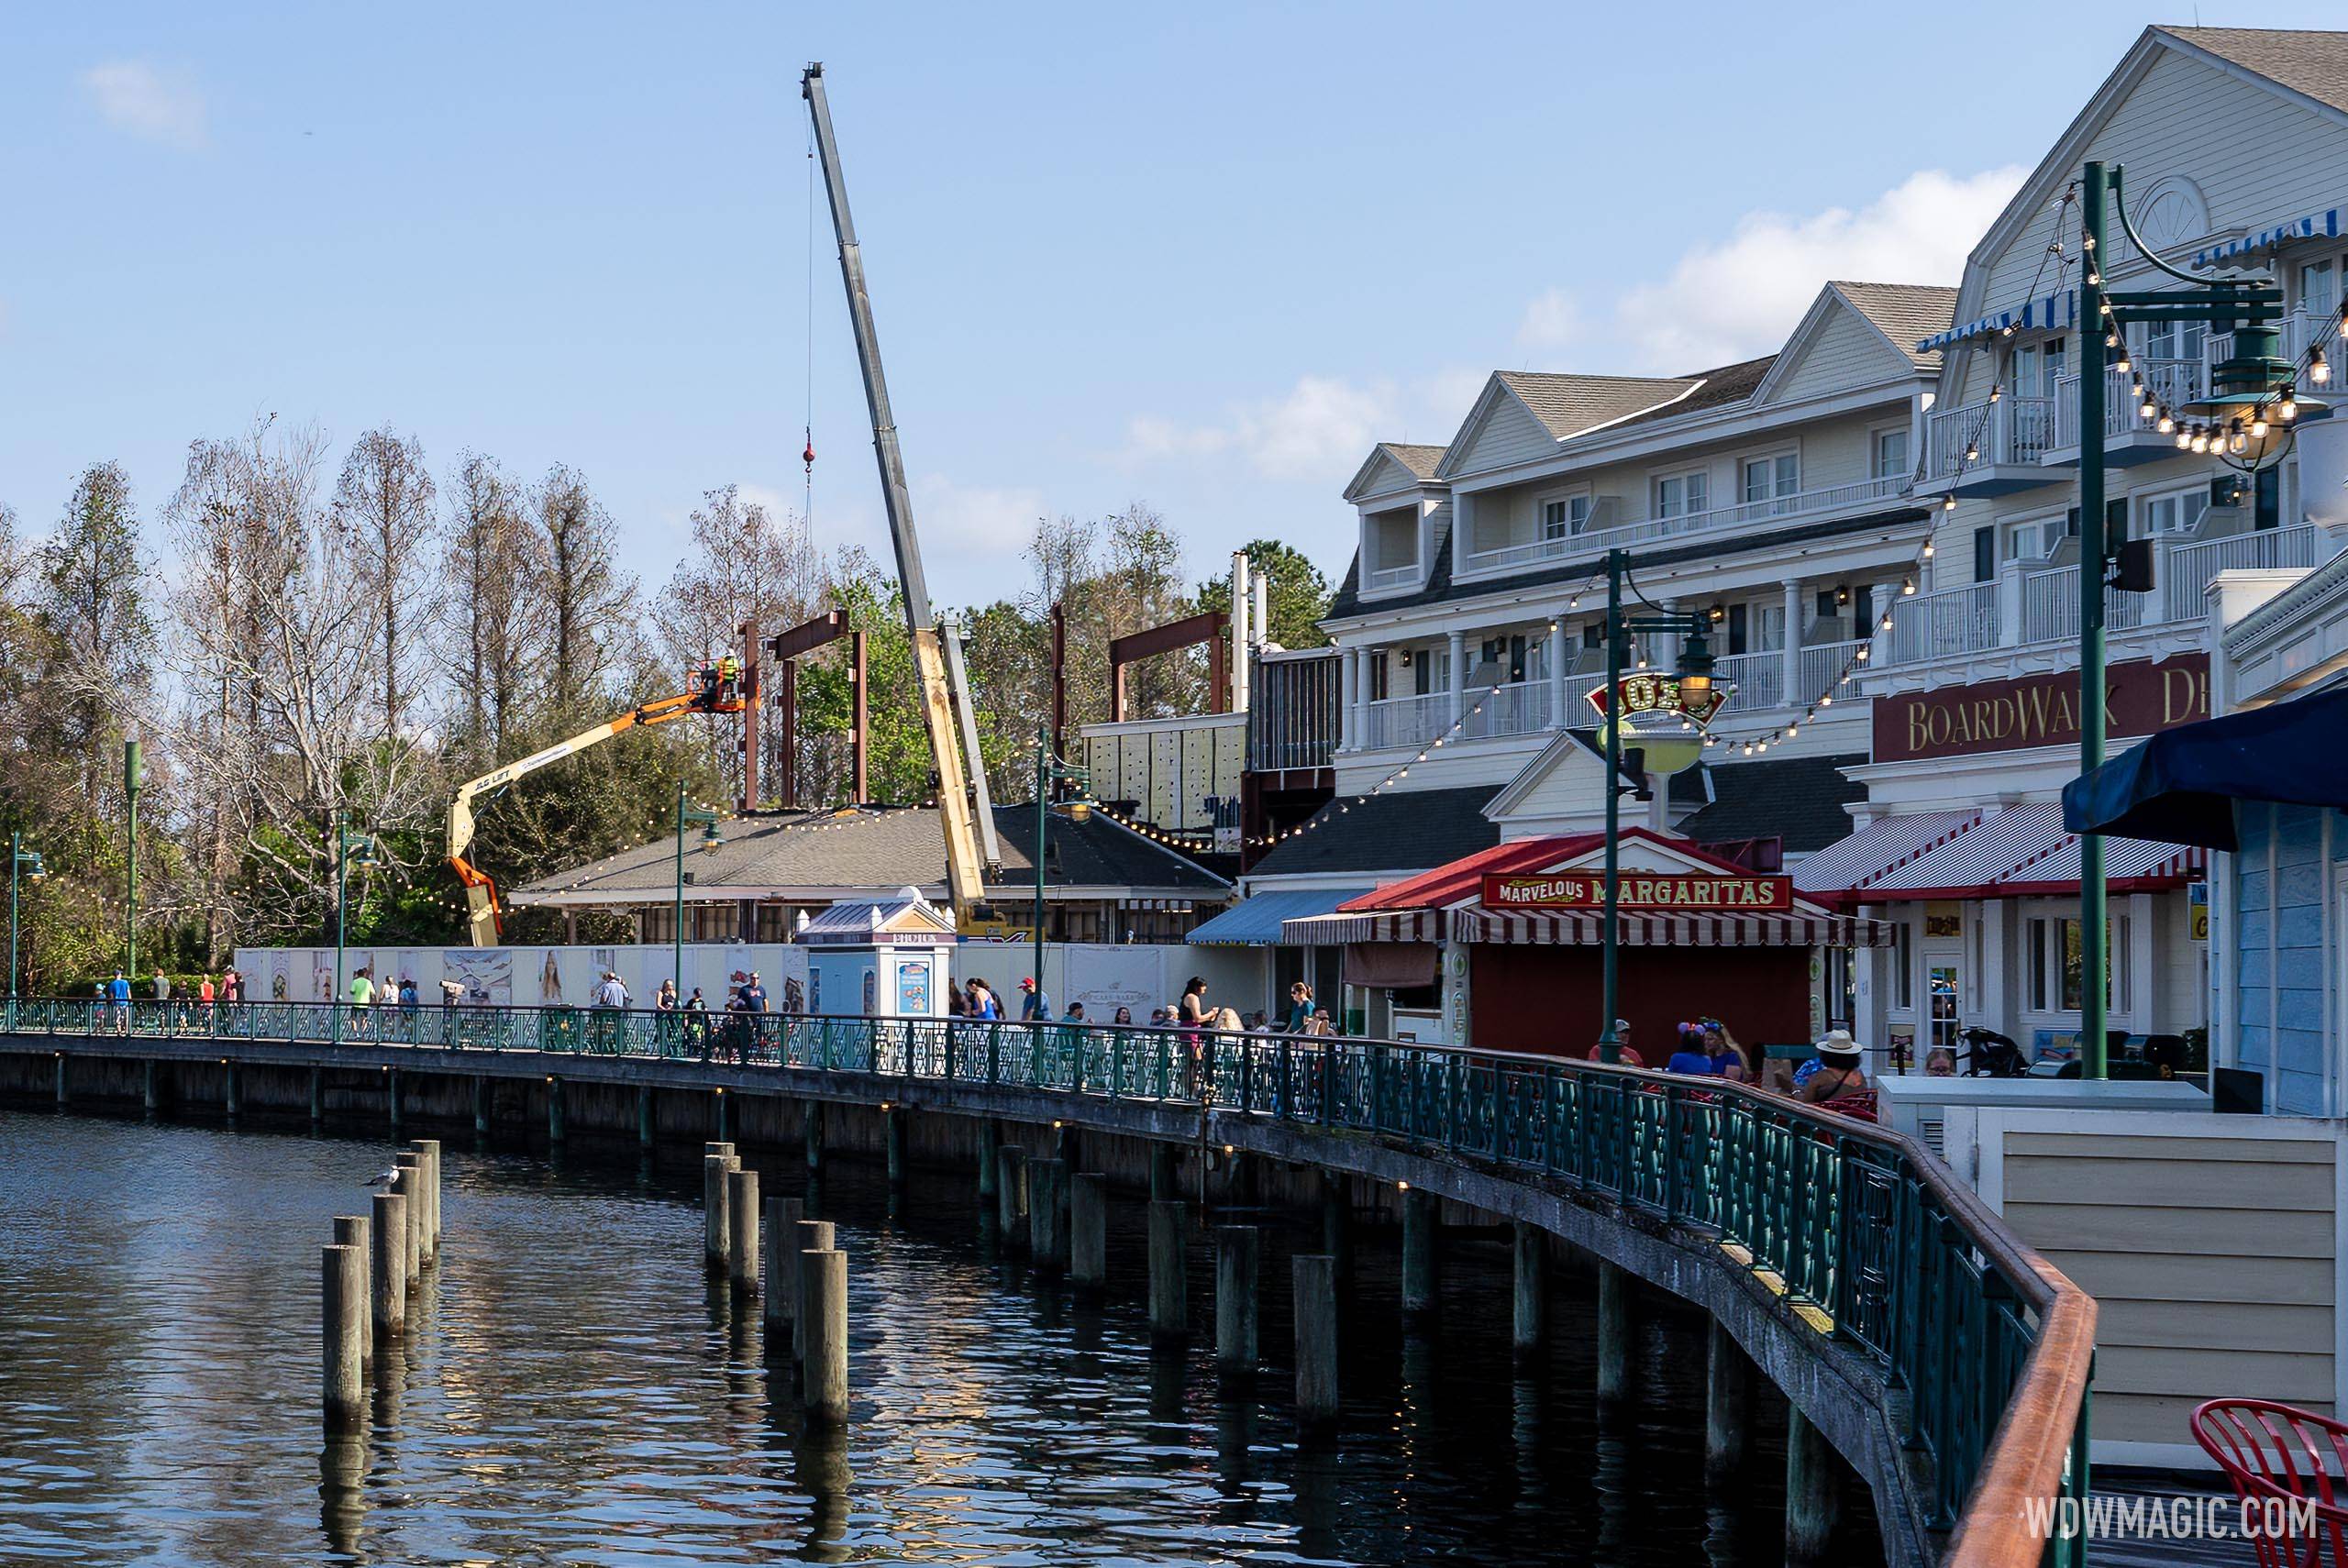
{"x": 1640, "y": 891}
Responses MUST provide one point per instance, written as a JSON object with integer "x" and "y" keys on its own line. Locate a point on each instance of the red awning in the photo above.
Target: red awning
{"x": 1842, "y": 872}
{"x": 2022, "y": 852}
{"x": 1561, "y": 928}
{"x": 1464, "y": 878}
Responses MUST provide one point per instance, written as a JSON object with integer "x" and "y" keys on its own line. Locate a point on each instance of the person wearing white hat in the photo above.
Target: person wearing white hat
{"x": 1839, "y": 1070}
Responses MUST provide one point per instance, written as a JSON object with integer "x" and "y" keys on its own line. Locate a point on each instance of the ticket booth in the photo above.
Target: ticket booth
{"x": 879, "y": 957}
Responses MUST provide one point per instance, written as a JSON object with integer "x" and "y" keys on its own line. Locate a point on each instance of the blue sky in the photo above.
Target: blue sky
{"x": 1200, "y": 255}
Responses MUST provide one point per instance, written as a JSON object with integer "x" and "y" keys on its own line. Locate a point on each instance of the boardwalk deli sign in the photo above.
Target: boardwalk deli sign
{"x": 2140, "y": 696}
{"x": 1695, "y": 893}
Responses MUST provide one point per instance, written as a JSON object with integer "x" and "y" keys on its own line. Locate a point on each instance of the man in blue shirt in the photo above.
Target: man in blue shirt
{"x": 1035, "y": 1004}
{"x": 118, "y": 993}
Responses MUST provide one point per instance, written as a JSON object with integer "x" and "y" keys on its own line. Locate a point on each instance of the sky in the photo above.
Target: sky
{"x": 1201, "y": 256}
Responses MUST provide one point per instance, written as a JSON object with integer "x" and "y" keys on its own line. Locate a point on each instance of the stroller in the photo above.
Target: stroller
{"x": 1991, "y": 1054}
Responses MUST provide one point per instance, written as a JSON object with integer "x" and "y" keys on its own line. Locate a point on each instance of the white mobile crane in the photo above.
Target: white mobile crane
{"x": 964, "y": 880}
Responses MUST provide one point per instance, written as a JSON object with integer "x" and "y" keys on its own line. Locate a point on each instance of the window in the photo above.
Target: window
{"x": 1683, "y": 495}
{"x": 1772, "y": 479}
{"x": 2037, "y": 369}
{"x": 1737, "y": 629}
{"x": 1593, "y": 635}
{"x": 1769, "y": 628}
{"x": 1892, "y": 453}
{"x": 2056, "y": 978}
{"x": 2173, "y": 339}
{"x": 1984, "y": 553}
{"x": 1563, "y": 516}
{"x": 2176, "y": 512}
{"x": 2319, "y": 287}
{"x": 2036, "y": 539}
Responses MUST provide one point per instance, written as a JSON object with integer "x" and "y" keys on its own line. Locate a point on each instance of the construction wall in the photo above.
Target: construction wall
{"x": 1169, "y": 766}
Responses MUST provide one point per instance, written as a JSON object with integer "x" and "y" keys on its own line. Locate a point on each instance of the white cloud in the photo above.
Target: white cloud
{"x": 975, "y": 521}
{"x": 1739, "y": 298}
{"x": 155, "y": 102}
{"x": 1323, "y": 422}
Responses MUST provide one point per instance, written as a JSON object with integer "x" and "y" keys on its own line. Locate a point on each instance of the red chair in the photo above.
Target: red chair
{"x": 2275, "y": 1454}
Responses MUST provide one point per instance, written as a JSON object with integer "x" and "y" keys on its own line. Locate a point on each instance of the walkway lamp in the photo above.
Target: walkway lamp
{"x": 712, "y": 841}
{"x": 2248, "y": 417}
{"x": 349, "y": 845}
{"x": 26, "y": 862}
{"x": 1695, "y": 698}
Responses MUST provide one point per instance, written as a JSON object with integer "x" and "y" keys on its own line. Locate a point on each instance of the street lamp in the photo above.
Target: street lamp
{"x": 2247, "y": 419}
{"x": 348, "y": 843}
{"x": 1695, "y": 696}
{"x": 1049, "y": 769}
{"x": 28, "y": 862}
{"x": 712, "y": 841}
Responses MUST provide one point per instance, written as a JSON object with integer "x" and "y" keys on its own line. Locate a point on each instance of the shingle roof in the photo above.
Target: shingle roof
{"x": 2310, "y": 62}
{"x": 1714, "y": 389}
{"x": 1420, "y": 460}
{"x": 1797, "y": 799}
{"x": 816, "y": 853}
{"x": 1399, "y": 831}
{"x": 1571, "y": 405}
{"x": 1905, "y": 313}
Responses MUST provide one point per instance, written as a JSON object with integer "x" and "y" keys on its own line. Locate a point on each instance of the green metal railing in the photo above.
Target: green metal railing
{"x": 1842, "y": 1216}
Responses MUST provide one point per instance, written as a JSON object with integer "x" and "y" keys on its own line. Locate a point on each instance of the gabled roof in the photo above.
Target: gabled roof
{"x": 2312, "y": 63}
{"x": 1393, "y": 832}
{"x": 1415, "y": 462}
{"x": 1798, "y": 799}
{"x": 1420, "y": 459}
{"x": 1464, "y": 878}
{"x": 1905, "y": 313}
{"x": 1572, "y": 405}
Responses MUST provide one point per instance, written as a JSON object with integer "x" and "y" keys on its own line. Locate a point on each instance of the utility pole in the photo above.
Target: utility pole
{"x": 2093, "y": 959}
{"x": 132, "y": 775}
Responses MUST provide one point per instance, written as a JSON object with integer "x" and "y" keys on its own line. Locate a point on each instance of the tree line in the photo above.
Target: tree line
{"x": 344, "y": 638}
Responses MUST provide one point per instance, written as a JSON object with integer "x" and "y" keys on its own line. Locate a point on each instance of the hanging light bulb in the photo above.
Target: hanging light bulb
{"x": 1997, "y": 391}
{"x": 2289, "y": 409}
{"x": 1908, "y": 587}
{"x": 2258, "y": 427}
{"x": 2318, "y": 371}
{"x": 2168, "y": 422}
{"x": 1972, "y": 450}
{"x": 2183, "y": 438}
{"x": 2201, "y": 440}
{"x": 1789, "y": 731}
{"x": 2238, "y": 439}
{"x": 2146, "y": 409}
{"x": 2123, "y": 364}
{"x": 1928, "y": 549}
{"x": 1887, "y": 620}
{"x": 1826, "y": 699}
{"x": 1948, "y": 502}
{"x": 1861, "y": 653}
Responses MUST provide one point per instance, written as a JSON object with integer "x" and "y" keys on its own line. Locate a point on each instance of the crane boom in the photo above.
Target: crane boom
{"x": 964, "y": 879}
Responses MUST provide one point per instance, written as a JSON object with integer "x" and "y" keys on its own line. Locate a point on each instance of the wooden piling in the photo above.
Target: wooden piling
{"x": 1046, "y": 1219}
{"x": 724, "y": 1119}
{"x": 1531, "y": 1295}
{"x": 354, "y": 1232}
{"x": 555, "y": 1130}
{"x": 989, "y": 1141}
{"x": 1161, "y": 1172}
{"x": 814, "y": 1137}
{"x": 814, "y": 1236}
{"x": 1421, "y": 1219}
{"x": 391, "y": 1098}
{"x": 822, "y": 1314}
{"x": 411, "y": 1186}
{"x": 232, "y": 1097}
{"x": 1728, "y": 1404}
{"x": 742, "y": 1242}
{"x": 430, "y": 1149}
{"x": 1088, "y": 1230}
{"x": 62, "y": 1098}
{"x": 343, "y": 1321}
{"x": 717, "y": 1231}
{"x": 893, "y": 1125}
{"x": 715, "y": 1148}
{"x": 1614, "y": 1331}
{"x": 1170, "y": 1316}
{"x": 782, "y": 1238}
{"x": 150, "y": 1088}
{"x": 1237, "y": 1253}
{"x": 481, "y": 1106}
{"x": 1313, "y": 1285}
{"x": 1336, "y": 1221}
{"x": 1813, "y": 1502}
{"x": 388, "y": 1252}
{"x": 317, "y": 1095}
{"x": 646, "y": 1124}
{"x": 1010, "y": 1193}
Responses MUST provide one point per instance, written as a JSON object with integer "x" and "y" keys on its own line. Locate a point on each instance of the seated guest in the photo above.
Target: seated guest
{"x": 1839, "y": 1071}
{"x": 1691, "y": 1057}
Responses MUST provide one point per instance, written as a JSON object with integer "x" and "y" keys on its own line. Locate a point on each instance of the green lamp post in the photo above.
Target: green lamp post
{"x": 712, "y": 841}
{"x": 1695, "y": 692}
{"x": 349, "y": 844}
{"x": 29, "y": 862}
{"x": 1048, "y": 769}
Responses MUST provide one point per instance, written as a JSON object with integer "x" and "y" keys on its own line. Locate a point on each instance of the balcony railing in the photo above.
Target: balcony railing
{"x": 1940, "y": 625}
{"x": 1819, "y": 668}
{"x": 1520, "y": 707}
{"x": 2171, "y": 381}
{"x": 1407, "y": 721}
{"x": 2185, "y": 576}
{"x": 2050, "y": 607}
{"x": 1407, "y": 575}
{"x": 1809, "y": 503}
{"x": 2012, "y": 430}
{"x": 1756, "y": 680}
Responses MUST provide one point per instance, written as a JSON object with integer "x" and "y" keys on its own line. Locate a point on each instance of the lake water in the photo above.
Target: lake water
{"x": 571, "y": 1392}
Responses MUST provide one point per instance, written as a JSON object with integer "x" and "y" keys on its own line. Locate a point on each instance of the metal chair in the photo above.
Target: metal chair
{"x": 2290, "y": 1469}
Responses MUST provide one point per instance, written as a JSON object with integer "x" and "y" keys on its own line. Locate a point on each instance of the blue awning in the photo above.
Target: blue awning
{"x": 1255, "y": 922}
{"x": 2325, "y": 225}
{"x": 2060, "y": 309}
{"x": 2180, "y": 786}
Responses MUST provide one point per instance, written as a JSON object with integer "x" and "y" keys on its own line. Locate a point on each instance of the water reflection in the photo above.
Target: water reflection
{"x": 573, "y": 1387}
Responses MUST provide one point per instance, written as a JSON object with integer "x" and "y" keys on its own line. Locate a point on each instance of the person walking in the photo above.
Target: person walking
{"x": 696, "y": 1023}
{"x": 1300, "y": 1009}
{"x": 118, "y": 1000}
{"x": 1034, "y": 1005}
{"x": 204, "y": 996}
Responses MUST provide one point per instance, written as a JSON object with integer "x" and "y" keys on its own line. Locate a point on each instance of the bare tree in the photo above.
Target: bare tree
{"x": 385, "y": 502}
{"x": 591, "y": 602}
{"x": 494, "y": 574}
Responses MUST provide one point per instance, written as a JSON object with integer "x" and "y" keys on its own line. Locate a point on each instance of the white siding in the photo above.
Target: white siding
{"x": 1846, "y": 352}
{"x": 1508, "y": 435}
{"x": 1388, "y": 477}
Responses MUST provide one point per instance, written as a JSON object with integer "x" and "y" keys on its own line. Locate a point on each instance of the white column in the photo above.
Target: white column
{"x": 1558, "y": 673}
{"x": 1791, "y": 676}
{"x": 1241, "y": 639}
{"x": 1886, "y": 597}
{"x": 2010, "y": 599}
{"x": 1667, "y": 644}
{"x": 1363, "y": 688}
{"x": 1348, "y": 699}
{"x": 1456, "y": 642}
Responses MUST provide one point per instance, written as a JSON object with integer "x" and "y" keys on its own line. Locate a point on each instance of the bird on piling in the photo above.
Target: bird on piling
{"x": 384, "y": 1178}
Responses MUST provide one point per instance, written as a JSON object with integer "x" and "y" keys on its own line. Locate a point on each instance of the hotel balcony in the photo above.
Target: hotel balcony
{"x": 2129, "y": 438}
{"x": 1992, "y": 447}
{"x": 1728, "y": 521}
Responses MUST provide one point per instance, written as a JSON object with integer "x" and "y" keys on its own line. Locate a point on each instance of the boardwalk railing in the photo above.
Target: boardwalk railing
{"x": 1854, "y": 1224}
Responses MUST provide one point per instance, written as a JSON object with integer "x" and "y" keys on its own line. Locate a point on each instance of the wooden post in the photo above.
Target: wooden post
{"x": 813, "y": 1137}
{"x": 990, "y": 1145}
{"x": 1088, "y": 1230}
{"x": 859, "y": 734}
{"x": 1728, "y": 1404}
{"x": 1011, "y": 1193}
{"x": 343, "y": 1319}
{"x": 724, "y": 1119}
{"x": 814, "y": 1236}
{"x": 480, "y": 1108}
{"x": 742, "y": 1239}
{"x": 430, "y": 1149}
{"x": 150, "y": 1092}
{"x": 644, "y": 1121}
{"x": 232, "y": 1096}
{"x": 554, "y": 1111}
{"x": 823, "y": 1314}
{"x": 1420, "y": 1220}
{"x": 1046, "y": 1229}
{"x": 1161, "y": 1172}
{"x": 388, "y": 1251}
{"x": 715, "y": 1148}
{"x": 411, "y": 1186}
{"x": 1531, "y": 1252}
{"x": 717, "y": 1231}
{"x": 391, "y": 1098}
{"x": 892, "y": 1124}
{"x": 787, "y": 749}
{"x": 352, "y": 1230}
{"x": 317, "y": 1095}
{"x": 781, "y": 1236}
{"x": 1314, "y": 1279}
{"x": 62, "y": 1097}
{"x": 1237, "y": 1252}
{"x": 1614, "y": 1349}
{"x": 1169, "y": 1287}
{"x": 1813, "y": 1503}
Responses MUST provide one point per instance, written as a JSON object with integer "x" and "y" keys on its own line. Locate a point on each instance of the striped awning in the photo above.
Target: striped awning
{"x": 2325, "y": 225}
{"x": 1842, "y": 870}
{"x": 2023, "y": 851}
{"x": 1574, "y": 928}
{"x": 1255, "y": 922}
{"x": 1384, "y": 925}
{"x": 2058, "y": 309}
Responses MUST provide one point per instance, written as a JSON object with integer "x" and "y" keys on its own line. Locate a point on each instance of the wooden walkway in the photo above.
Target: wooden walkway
{"x": 2161, "y": 1550}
